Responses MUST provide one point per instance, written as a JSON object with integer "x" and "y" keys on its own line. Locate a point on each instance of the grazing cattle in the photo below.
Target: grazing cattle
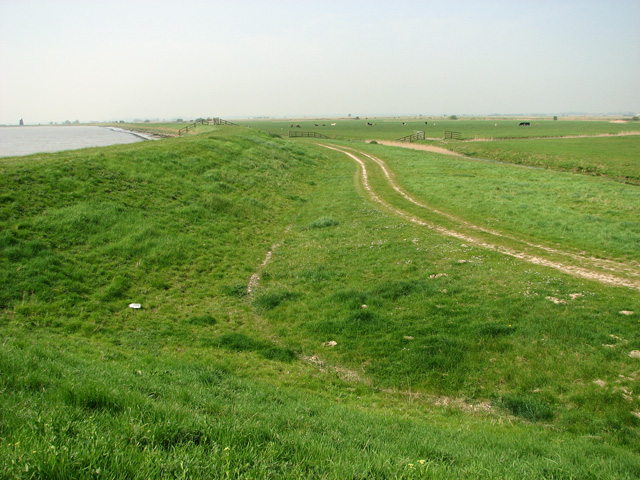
{"x": 524, "y": 124}
{"x": 292, "y": 125}
{"x": 426, "y": 123}
{"x": 315, "y": 124}
{"x": 404, "y": 123}
{"x": 297, "y": 126}
{"x": 333, "y": 124}
{"x": 369, "y": 123}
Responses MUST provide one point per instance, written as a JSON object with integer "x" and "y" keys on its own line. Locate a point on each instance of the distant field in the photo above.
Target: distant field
{"x": 390, "y": 129}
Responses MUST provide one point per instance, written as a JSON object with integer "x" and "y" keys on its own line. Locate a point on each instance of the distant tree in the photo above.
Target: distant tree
{"x": 21, "y": 122}
{"x": 147, "y": 121}
{"x": 453, "y": 117}
{"x": 67, "y": 122}
{"x": 76, "y": 122}
{"x": 357, "y": 118}
{"x": 179, "y": 120}
{"x": 555, "y": 117}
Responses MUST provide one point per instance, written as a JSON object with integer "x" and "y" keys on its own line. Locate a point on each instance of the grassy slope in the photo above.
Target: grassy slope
{"x": 481, "y": 329}
{"x": 206, "y": 381}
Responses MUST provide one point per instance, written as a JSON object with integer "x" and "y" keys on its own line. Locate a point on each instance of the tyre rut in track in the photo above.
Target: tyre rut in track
{"x": 616, "y": 273}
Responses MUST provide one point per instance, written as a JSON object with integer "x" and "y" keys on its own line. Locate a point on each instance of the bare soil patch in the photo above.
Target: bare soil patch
{"x": 417, "y": 146}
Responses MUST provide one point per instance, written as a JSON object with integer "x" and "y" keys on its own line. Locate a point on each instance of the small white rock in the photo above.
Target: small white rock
{"x": 626, "y": 312}
{"x": 634, "y": 354}
{"x": 135, "y": 305}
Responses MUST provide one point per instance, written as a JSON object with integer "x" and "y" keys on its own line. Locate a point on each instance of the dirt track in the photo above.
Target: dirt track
{"x": 605, "y": 271}
{"x": 445, "y": 151}
{"x": 418, "y": 146}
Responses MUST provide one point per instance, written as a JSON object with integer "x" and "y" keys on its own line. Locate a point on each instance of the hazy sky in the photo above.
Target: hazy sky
{"x": 105, "y": 60}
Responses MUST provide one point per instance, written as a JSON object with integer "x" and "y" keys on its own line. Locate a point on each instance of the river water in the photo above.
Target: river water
{"x": 25, "y": 140}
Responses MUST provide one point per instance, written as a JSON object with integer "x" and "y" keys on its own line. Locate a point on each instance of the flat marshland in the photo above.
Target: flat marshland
{"x": 440, "y": 317}
{"x": 434, "y": 127}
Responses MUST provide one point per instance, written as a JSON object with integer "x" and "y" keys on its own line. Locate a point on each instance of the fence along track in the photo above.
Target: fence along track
{"x": 293, "y": 133}
{"x": 452, "y": 135}
{"x": 417, "y": 135}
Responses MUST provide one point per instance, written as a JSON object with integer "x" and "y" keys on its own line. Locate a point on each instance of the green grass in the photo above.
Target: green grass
{"x": 615, "y": 157}
{"x": 596, "y": 215}
{"x": 394, "y": 128}
{"x": 481, "y": 330}
{"x": 134, "y": 416}
{"x": 440, "y": 368}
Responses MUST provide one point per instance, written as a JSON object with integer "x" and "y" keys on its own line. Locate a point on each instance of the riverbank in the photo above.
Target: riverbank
{"x": 28, "y": 140}
{"x": 142, "y": 135}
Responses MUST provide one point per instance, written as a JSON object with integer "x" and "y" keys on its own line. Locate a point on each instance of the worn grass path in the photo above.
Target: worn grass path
{"x": 606, "y": 271}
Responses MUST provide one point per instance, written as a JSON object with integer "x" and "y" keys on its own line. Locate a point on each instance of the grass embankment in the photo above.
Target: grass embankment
{"x": 447, "y": 318}
{"x": 208, "y": 381}
{"x": 166, "y": 129}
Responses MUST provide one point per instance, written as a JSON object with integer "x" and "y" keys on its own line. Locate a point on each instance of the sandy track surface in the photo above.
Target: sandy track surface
{"x": 417, "y": 146}
{"x": 254, "y": 280}
{"x": 605, "y": 271}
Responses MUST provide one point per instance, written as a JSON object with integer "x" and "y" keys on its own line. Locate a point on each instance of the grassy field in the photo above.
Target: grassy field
{"x": 391, "y": 129}
{"x": 368, "y": 346}
{"x": 615, "y": 157}
{"x": 595, "y": 215}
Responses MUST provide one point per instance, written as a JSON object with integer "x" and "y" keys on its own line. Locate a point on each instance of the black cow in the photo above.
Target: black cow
{"x": 525, "y": 124}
